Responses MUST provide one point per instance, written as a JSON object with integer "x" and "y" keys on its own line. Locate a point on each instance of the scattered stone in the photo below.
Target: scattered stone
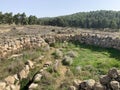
{"x": 22, "y": 74}
{"x": 115, "y": 85}
{"x": 37, "y": 78}
{"x": 72, "y": 88}
{"x": 2, "y": 85}
{"x": 76, "y": 83}
{"x": 112, "y": 73}
{"x": 8, "y": 88}
{"x": 30, "y": 63}
{"x": 104, "y": 79}
{"x": 33, "y": 86}
{"x": 10, "y": 80}
{"x": 90, "y": 83}
{"x": 56, "y": 66}
{"x": 99, "y": 86}
{"x": 48, "y": 63}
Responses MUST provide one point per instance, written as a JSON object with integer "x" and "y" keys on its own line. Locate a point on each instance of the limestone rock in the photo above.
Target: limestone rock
{"x": 115, "y": 85}
{"x": 22, "y": 74}
{"x": 90, "y": 83}
{"x": 33, "y": 86}
{"x": 2, "y": 85}
{"x": 37, "y": 78}
{"x": 8, "y": 88}
{"x": 72, "y": 88}
{"x": 10, "y": 80}
{"x": 76, "y": 83}
{"x": 99, "y": 86}
{"x": 30, "y": 63}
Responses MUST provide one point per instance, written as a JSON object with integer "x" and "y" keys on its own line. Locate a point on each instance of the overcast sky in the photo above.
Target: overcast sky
{"x": 51, "y": 8}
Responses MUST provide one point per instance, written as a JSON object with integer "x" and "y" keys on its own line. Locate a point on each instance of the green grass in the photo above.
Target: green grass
{"x": 94, "y": 60}
{"x": 13, "y": 65}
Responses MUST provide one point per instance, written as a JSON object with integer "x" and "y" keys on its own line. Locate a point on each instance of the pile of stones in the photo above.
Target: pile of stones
{"x": 111, "y": 81}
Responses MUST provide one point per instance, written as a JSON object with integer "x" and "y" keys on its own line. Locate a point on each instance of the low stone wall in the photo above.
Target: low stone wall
{"x": 102, "y": 40}
{"x": 10, "y": 46}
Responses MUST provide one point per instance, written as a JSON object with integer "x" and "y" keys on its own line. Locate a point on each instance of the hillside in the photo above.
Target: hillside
{"x": 34, "y": 57}
{"x": 103, "y": 20}
{"x": 94, "y": 19}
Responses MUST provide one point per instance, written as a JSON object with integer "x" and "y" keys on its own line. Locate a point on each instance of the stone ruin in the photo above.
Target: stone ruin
{"x": 110, "y": 81}
{"x": 11, "y": 46}
{"x": 97, "y": 39}
{"x": 106, "y": 82}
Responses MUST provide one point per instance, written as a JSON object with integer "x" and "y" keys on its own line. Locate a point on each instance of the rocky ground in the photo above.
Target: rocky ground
{"x": 31, "y": 60}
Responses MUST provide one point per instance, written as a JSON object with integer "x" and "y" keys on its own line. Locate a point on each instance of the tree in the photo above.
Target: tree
{"x": 32, "y": 20}
{"x": 17, "y": 19}
{"x": 24, "y": 20}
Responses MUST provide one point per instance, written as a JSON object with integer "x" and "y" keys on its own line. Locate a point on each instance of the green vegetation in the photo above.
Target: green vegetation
{"x": 12, "y": 65}
{"x": 94, "y": 19}
{"x": 91, "y": 60}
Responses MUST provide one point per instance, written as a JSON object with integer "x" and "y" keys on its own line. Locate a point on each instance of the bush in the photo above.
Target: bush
{"x": 67, "y": 60}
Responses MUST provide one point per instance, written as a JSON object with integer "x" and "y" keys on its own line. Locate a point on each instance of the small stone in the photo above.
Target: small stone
{"x": 33, "y": 86}
{"x": 90, "y": 83}
{"x": 112, "y": 73}
{"x": 104, "y": 79}
{"x": 37, "y": 78}
{"x": 2, "y": 85}
{"x": 72, "y": 88}
{"x": 76, "y": 83}
{"x": 115, "y": 85}
{"x": 30, "y": 63}
{"x": 23, "y": 74}
{"x": 10, "y": 80}
{"x": 99, "y": 86}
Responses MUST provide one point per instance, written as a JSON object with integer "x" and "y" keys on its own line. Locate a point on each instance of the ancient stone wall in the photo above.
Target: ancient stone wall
{"x": 101, "y": 40}
{"x": 10, "y": 46}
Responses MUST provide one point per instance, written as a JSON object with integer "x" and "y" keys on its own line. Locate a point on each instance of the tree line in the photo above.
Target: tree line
{"x": 18, "y": 19}
{"x": 93, "y": 19}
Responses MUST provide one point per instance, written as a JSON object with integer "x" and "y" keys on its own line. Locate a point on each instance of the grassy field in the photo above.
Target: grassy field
{"x": 92, "y": 60}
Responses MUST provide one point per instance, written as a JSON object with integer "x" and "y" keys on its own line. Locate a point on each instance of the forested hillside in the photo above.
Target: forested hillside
{"x": 93, "y": 19}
